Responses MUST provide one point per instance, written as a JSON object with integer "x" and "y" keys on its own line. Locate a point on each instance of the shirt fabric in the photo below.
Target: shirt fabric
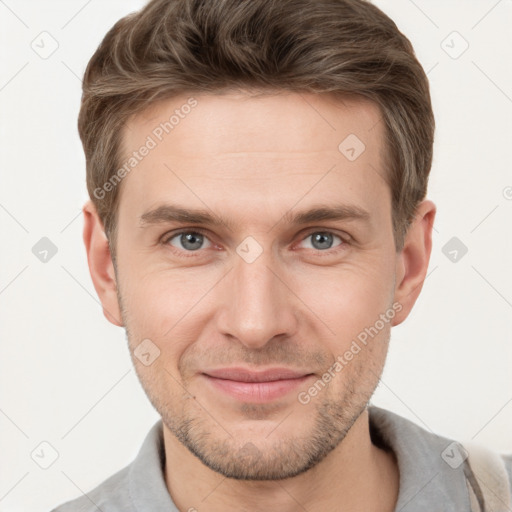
{"x": 427, "y": 482}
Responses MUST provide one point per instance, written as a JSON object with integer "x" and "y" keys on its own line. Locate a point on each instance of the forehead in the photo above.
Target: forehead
{"x": 253, "y": 151}
{"x": 237, "y": 122}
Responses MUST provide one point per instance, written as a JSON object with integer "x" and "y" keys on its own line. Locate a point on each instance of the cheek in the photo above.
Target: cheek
{"x": 350, "y": 298}
{"x": 164, "y": 306}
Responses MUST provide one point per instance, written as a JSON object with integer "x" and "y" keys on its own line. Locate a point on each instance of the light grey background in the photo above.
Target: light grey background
{"x": 66, "y": 376}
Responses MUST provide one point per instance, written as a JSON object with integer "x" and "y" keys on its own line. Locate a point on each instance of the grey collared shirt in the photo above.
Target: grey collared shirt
{"x": 427, "y": 482}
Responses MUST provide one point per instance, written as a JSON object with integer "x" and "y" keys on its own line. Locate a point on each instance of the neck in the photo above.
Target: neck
{"x": 355, "y": 476}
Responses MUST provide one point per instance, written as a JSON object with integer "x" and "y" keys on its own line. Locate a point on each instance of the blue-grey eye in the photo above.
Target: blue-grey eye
{"x": 189, "y": 240}
{"x": 321, "y": 240}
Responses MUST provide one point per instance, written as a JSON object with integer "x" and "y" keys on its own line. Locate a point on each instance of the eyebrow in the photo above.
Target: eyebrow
{"x": 172, "y": 213}
{"x": 320, "y": 213}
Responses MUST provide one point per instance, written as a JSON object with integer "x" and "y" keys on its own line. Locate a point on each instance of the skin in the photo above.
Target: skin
{"x": 299, "y": 305}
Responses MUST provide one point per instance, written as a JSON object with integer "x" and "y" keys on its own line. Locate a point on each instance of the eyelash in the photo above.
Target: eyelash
{"x": 328, "y": 252}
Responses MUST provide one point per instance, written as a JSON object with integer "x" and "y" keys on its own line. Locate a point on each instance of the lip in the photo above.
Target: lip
{"x": 256, "y": 386}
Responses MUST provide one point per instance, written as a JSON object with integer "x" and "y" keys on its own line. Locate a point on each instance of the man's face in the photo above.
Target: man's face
{"x": 257, "y": 297}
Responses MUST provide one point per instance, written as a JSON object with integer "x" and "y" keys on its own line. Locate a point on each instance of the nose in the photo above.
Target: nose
{"x": 258, "y": 304}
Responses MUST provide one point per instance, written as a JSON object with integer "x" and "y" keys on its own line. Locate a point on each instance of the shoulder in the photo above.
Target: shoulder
{"x": 133, "y": 487}
{"x": 437, "y": 470}
{"x": 112, "y": 495}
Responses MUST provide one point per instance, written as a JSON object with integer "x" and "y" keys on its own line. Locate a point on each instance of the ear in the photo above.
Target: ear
{"x": 100, "y": 263}
{"x": 412, "y": 261}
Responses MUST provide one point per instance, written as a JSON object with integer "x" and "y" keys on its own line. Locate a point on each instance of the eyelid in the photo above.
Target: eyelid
{"x": 169, "y": 235}
{"x": 344, "y": 236}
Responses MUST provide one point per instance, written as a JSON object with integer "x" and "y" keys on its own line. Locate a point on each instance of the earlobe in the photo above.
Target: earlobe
{"x": 100, "y": 264}
{"x": 412, "y": 261}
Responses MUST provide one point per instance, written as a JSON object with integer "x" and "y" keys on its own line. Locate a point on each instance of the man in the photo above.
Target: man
{"x": 258, "y": 222}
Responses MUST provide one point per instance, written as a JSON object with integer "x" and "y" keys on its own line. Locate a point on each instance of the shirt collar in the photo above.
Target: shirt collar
{"x": 147, "y": 486}
{"x": 426, "y": 480}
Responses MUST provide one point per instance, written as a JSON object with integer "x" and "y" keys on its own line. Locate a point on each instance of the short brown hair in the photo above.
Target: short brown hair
{"x": 344, "y": 47}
